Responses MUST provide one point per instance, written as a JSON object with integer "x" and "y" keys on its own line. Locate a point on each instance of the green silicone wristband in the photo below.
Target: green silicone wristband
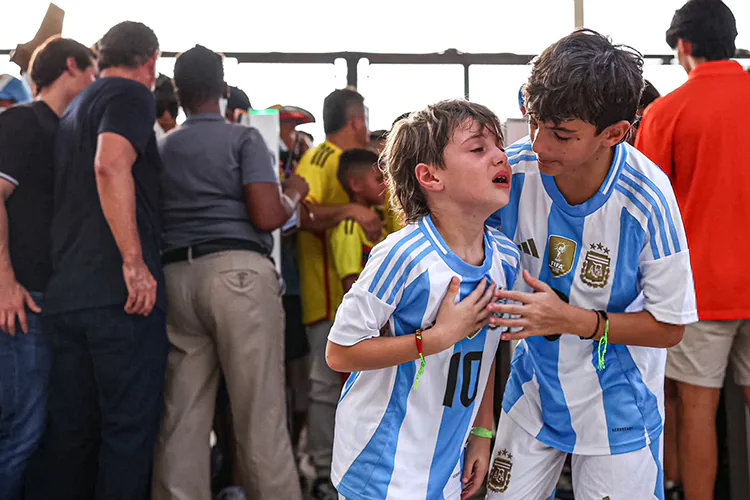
{"x": 482, "y": 432}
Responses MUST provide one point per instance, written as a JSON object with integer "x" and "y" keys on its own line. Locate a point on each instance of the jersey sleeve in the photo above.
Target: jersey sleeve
{"x": 370, "y": 303}
{"x": 315, "y": 177}
{"x": 256, "y": 161}
{"x": 131, "y": 114}
{"x": 346, "y": 247}
{"x": 665, "y": 270}
{"x": 18, "y": 134}
{"x": 654, "y": 139}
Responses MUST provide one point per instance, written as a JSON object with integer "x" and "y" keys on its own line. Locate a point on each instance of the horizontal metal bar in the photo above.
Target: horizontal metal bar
{"x": 450, "y": 56}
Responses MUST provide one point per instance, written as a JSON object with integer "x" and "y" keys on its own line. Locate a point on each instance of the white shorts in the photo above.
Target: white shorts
{"x": 524, "y": 468}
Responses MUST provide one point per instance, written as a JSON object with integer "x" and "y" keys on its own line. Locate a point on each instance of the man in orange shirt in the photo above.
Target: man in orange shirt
{"x": 700, "y": 135}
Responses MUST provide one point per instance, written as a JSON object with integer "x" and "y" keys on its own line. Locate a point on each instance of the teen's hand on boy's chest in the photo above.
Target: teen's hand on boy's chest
{"x": 537, "y": 314}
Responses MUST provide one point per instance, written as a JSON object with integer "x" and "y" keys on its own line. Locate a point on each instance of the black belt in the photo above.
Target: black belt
{"x": 209, "y": 247}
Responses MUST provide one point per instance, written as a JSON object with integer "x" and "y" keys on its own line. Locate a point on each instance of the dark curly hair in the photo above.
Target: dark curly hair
{"x": 583, "y": 76}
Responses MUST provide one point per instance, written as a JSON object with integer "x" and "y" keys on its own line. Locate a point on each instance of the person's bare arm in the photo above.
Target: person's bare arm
{"x": 326, "y": 217}
{"x": 348, "y": 282}
{"x": 543, "y": 313}
{"x": 113, "y": 165}
{"x": 268, "y": 208}
{"x": 454, "y": 322}
{"x": 14, "y": 298}
{"x": 477, "y": 462}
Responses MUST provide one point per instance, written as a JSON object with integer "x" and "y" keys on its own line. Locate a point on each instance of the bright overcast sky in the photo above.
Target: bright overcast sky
{"x": 414, "y": 26}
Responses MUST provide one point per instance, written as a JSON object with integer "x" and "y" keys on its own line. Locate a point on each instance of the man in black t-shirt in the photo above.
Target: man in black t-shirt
{"x": 60, "y": 70}
{"x": 106, "y": 299}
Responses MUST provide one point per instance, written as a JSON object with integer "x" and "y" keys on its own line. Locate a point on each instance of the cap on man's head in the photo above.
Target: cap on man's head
{"x": 13, "y": 89}
{"x": 238, "y": 100}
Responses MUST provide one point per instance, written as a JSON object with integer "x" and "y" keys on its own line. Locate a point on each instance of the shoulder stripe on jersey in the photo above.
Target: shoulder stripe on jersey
{"x": 325, "y": 152}
{"x": 388, "y": 260}
{"x": 496, "y": 234}
{"x": 639, "y": 205}
{"x": 324, "y": 158}
{"x": 672, "y": 229}
{"x": 517, "y": 148}
{"x": 506, "y": 247}
{"x": 316, "y": 157}
{"x": 409, "y": 268}
{"x": 518, "y": 159}
{"x": 433, "y": 237}
{"x": 509, "y": 252}
{"x": 402, "y": 261}
{"x": 501, "y": 239}
{"x": 639, "y": 189}
{"x": 620, "y": 155}
{"x": 500, "y": 236}
{"x": 314, "y": 160}
{"x": 512, "y": 251}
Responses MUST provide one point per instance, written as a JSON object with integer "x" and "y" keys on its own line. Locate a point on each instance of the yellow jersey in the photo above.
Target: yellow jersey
{"x": 391, "y": 218}
{"x": 350, "y": 248}
{"x": 321, "y": 289}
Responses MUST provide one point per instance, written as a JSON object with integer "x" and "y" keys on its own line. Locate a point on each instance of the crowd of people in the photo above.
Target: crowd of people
{"x": 149, "y": 348}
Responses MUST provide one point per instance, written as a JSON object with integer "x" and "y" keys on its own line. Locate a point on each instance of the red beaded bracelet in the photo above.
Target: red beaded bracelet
{"x": 418, "y": 337}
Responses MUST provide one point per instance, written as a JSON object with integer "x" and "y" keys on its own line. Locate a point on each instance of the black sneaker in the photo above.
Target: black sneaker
{"x": 674, "y": 493}
{"x": 323, "y": 490}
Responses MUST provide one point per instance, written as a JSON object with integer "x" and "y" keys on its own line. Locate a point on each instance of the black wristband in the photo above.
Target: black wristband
{"x": 596, "y": 329}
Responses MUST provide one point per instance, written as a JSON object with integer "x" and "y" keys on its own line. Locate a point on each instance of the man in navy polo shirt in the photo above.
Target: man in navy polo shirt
{"x": 106, "y": 299}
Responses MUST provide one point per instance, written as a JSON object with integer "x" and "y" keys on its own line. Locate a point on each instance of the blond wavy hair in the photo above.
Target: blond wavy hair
{"x": 422, "y": 137}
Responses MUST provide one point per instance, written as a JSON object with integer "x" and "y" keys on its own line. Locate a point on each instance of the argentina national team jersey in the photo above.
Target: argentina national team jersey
{"x": 391, "y": 441}
{"x": 624, "y": 250}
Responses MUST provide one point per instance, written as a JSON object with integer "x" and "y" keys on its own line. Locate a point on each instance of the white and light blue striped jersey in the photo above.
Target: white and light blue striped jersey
{"x": 624, "y": 250}
{"x": 391, "y": 441}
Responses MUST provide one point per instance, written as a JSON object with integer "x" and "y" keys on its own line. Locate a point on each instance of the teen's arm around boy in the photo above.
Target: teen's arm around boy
{"x": 543, "y": 313}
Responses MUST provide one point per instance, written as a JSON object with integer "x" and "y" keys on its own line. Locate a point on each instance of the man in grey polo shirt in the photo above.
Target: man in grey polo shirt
{"x": 221, "y": 200}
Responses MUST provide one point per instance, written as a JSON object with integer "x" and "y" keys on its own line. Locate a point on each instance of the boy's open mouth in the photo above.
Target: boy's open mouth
{"x": 501, "y": 178}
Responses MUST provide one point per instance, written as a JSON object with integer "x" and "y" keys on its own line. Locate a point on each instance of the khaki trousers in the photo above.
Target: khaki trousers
{"x": 225, "y": 313}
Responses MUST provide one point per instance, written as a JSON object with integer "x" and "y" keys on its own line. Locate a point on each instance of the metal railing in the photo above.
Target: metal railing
{"x": 449, "y": 56}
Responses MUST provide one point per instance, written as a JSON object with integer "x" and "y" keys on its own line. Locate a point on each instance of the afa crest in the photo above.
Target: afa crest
{"x": 595, "y": 268}
{"x": 500, "y": 474}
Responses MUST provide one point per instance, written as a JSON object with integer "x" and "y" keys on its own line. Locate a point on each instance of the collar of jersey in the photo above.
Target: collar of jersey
{"x": 331, "y": 145}
{"x": 462, "y": 268}
{"x": 715, "y": 68}
{"x": 602, "y": 195}
{"x": 206, "y": 117}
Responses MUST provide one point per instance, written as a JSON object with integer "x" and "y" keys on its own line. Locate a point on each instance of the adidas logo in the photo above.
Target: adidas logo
{"x": 529, "y": 248}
